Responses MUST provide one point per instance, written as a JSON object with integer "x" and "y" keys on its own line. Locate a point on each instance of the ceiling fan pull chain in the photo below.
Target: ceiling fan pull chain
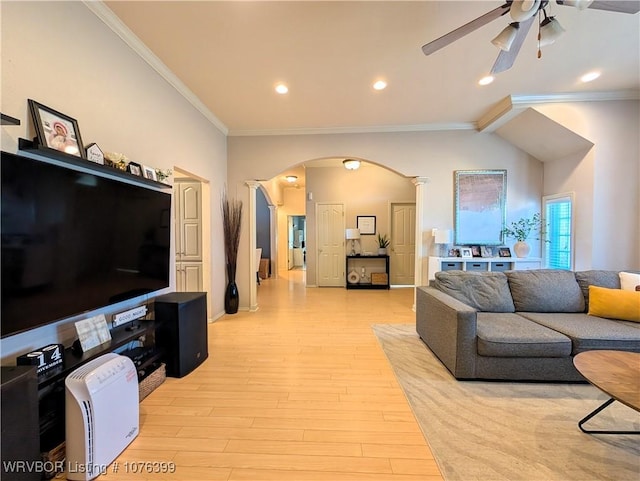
{"x": 539, "y": 36}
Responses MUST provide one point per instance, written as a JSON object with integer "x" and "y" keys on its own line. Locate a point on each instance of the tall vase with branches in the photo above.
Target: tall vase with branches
{"x": 231, "y": 224}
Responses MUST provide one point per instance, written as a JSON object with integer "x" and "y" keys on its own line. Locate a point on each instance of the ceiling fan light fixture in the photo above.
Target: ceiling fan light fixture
{"x": 505, "y": 39}
{"x": 550, "y": 31}
{"x": 522, "y": 10}
{"x": 486, "y": 80}
{"x": 351, "y": 164}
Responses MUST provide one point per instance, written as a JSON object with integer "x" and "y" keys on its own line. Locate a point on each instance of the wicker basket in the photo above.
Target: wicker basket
{"x": 152, "y": 381}
{"x": 379, "y": 278}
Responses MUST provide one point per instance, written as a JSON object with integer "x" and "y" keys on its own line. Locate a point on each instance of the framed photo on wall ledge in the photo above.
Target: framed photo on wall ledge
{"x": 56, "y": 130}
{"x": 504, "y": 252}
{"x": 366, "y": 224}
{"x": 466, "y": 252}
{"x": 149, "y": 173}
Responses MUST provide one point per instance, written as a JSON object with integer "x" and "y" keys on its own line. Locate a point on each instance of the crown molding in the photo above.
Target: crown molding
{"x": 356, "y": 130}
{"x": 512, "y": 105}
{"x": 528, "y": 100}
{"x": 106, "y": 15}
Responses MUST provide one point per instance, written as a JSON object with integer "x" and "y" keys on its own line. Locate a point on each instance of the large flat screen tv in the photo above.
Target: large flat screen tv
{"x": 73, "y": 242}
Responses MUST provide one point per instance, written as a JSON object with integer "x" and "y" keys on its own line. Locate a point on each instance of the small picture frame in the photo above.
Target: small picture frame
{"x": 486, "y": 251}
{"x": 134, "y": 168}
{"x": 504, "y": 252}
{"x": 94, "y": 153}
{"x": 466, "y": 252}
{"x": 366, "y": 224}
{"x": 475, "y": 251}
{"x": 149, "y": 173}
{"x": 56, "y": 130}
{"x": 454, "y": 252}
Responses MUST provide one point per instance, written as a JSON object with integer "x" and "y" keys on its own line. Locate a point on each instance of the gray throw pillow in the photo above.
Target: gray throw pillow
{"x": 545, "y": 290}
{"x": 484, "y": 291}
{"x": 600, "y": 278}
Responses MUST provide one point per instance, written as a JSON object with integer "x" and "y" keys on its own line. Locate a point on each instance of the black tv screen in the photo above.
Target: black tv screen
{"x": 74, "y": 242}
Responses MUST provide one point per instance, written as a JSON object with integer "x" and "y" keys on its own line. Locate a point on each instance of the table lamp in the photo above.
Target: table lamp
{"x": 442, "y": 238}
{"x": 353, "y": 235}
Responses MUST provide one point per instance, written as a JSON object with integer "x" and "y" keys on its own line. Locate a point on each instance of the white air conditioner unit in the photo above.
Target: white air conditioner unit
{"x": 102, "y": 414}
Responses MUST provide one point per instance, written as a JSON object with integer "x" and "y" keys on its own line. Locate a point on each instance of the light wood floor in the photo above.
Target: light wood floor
{"x": 299, "y": 390}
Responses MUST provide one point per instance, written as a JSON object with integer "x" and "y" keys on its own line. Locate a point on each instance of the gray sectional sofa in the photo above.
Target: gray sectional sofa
{"x": 517, "y": 325}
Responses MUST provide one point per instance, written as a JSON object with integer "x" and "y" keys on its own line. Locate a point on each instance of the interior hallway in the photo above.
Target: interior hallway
{"x": 299, "y": 390}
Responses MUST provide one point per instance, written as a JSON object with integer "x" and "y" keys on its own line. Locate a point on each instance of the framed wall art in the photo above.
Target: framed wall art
{"x": 56, "y": 130}
{"x": 366, "y": 224}
{"x": 480, "y": 206}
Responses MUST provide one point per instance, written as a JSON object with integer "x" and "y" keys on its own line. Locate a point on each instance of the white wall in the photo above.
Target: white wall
{"x": 61, "y": 55}
{"x": 435, "y": 155}
{"x": 605, "y": 181}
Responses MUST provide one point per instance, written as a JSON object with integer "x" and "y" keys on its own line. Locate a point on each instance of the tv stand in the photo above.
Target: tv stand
{"x": 51, "y": 387}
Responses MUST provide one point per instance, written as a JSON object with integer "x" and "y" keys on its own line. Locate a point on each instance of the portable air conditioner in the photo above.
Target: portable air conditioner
{"x": 102, "y": 414}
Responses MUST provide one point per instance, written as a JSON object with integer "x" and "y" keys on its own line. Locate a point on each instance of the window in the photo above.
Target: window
{"x": 558, "y": 222}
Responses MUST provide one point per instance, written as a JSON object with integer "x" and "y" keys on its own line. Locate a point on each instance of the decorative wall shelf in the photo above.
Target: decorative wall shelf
{"x": 31, "y": 147}
{"x": 8, "y": 120}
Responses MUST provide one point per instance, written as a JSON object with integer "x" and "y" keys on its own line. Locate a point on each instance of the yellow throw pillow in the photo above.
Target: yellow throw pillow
{"x": 614, "y": 303}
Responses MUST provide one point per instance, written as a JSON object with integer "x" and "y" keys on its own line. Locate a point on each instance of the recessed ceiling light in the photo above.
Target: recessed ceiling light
{"x": 282, "y": 89}
{"x": 486, "y": 80}
{"x": 588, "y": 77}
{"x": 380, "y": 85}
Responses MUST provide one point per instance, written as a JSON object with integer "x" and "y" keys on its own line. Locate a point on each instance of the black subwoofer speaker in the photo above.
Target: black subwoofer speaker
{"x": 20, "y": 423}
{"x": 181, "y": 319}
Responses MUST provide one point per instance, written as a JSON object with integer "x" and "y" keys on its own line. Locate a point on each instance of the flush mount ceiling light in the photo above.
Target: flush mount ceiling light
{"x": 291, "y": 178}
{"x": 588, "y": 77}
{"x": 524, "y": 14}
{"x": 380, "y": 85}
{"x": 486, "y": 80}
{"x": 282, "y": 89}
{"x": 351, "y": 164}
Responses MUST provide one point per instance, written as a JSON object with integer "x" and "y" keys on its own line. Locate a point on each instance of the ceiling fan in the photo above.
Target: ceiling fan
{"x": 523, "y": 14}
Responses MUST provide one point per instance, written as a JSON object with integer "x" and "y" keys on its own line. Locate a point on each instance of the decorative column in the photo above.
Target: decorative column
{"x": 253, "y": 285}
{"x": 420, "y": 183}
{"x": 273, "y": 236}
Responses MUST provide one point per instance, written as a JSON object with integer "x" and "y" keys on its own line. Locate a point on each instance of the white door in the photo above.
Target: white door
{"x": 190, "y": 221}
{"x": 331, "y": 256}
{"x": 188, "y": 225}
{"x": 403, "y": 244}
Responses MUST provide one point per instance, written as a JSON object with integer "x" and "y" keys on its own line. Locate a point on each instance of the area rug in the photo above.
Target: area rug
{"x": 494, "y": 431}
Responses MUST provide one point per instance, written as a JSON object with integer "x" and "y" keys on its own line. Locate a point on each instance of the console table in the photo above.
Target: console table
{"x": 482, "y": 264}
{"x": 376, "y": 270}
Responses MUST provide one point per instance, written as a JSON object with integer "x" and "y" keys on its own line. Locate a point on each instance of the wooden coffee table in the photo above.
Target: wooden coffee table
{"x": 616, "y": 373}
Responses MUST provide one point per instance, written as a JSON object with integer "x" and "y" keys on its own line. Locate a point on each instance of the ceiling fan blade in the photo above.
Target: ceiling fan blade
{"x": 505, "y": 59}
{"x": 620, "y": 6}
{"x": 466, "y": 29}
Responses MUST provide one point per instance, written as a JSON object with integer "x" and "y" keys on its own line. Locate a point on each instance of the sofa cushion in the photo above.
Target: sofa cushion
{"x": 510, "y": 335}
{"x": 629, "y": 281}
{"x": 589, "y": 332}
{"x": 600, "y": 278}
{"x": 545, "y": 290}
{"x": 484, "y": 291}
{"x": 614, "y": 303}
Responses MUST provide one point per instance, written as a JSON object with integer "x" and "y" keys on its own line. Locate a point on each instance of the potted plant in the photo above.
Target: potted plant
{"x": 383, "y": 243}
{"x": 521, "y": 230}
{"x": 231, "y": 223}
